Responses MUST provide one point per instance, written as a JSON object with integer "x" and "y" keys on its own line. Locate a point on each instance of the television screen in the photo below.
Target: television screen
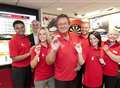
{"x": 4, "y": 53}
{"x": 7, "y": 19}
{"x": 8, "y": 14}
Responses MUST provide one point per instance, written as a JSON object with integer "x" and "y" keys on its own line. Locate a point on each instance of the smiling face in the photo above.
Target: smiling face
{"x": 63, "y": 25}
{"x": 85, "y": 27}
{"x": 35, "y": 26}
{"x": 113, "y": 35}
{"x": 93, "y": 40}
{"x": 42, "y": 35}
{"x": 20, "y": 29}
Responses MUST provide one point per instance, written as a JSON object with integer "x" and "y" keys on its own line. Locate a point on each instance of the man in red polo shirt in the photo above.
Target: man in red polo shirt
{"x": 19, "y": 48}
{"x": 85, "y": 27}
{"x": 64, "y": 54}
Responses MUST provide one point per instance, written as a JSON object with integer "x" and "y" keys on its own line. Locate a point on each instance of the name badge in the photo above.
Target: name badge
{"x": 115, "y": 52}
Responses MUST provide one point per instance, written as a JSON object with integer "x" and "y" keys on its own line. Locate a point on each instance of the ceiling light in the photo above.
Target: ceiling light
{"x": 80, "y": 16}
{"x": 59, "y": 9}
{"x": 111, "y": 9}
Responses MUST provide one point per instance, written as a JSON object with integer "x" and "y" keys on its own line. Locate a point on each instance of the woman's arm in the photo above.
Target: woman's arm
{"x": 34, "y": 61}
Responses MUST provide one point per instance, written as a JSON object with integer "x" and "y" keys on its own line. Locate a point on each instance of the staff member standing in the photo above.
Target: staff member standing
{"x": 112, "y": 58}
{"x": 33, "y": 37}
{"x": 64, "y": 55}
{"x": 19, "y": 48}
{"x": 43, "y": 72}
{"x": 34, "y": 40}
{"x": 85, "y": 27}
{"x": 93, "y": 62}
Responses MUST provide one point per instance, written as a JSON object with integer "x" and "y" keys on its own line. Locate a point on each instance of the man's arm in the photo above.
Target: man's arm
{"x": 20, "y": 57}
{"x": 55, "y": 44}
{"x": 114, "y": 57}
{"x": 50, "y": 58}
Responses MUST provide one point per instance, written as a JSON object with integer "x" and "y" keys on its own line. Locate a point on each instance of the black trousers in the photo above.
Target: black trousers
{"x": 65, "y": 84}
{"x": 110, "y": 81}
{"x": 118, "y": 80}
{"x": 79, "y": 77}
{"x": 118, "y": 83}
{"x": 21, "y": 77}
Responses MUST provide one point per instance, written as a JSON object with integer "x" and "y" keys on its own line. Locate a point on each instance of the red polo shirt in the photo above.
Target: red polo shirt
{"x": 93, "y": 69}
{"x": 66, "y": 59}
{"x": 19, "y": 45}
{"x": 111, "y": 67}
{"x": 84, "y": 42}
{"x": 43, "y": 71}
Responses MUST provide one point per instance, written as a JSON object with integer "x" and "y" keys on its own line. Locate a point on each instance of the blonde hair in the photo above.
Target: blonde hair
{"x": 47, "y": 33}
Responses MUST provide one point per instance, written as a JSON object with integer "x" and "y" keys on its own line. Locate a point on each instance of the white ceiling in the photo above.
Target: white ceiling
{"x": 69, "y": 6}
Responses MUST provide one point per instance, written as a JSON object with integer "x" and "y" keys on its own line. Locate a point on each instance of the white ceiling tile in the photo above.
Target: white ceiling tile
{"x": 69, "y": 6}
{"x": 36, "y": 3}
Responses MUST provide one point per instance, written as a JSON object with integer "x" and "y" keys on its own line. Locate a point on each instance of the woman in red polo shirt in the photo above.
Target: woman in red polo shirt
{"x": 112, "y": 58}
{"x": 43, "y": 72}
{"x": 93, "y": 69}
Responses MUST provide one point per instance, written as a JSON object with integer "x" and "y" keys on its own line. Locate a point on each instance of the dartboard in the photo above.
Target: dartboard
{"x": 75, "y": 28}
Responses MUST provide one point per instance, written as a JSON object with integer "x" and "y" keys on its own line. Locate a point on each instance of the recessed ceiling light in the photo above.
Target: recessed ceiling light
{"x": 59, "y": 9}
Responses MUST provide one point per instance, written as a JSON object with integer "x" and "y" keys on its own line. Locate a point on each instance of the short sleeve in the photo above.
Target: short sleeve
{"x": 13, "y": 51}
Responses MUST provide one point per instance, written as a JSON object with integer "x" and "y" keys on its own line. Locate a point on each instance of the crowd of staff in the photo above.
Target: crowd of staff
{"x": 64, "y": 59}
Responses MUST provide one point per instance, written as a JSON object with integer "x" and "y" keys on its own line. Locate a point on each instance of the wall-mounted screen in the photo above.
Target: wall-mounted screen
{"x": 4, "y": 53}
{"x": 7, "y": 19}
{"x": 8, "y": 14}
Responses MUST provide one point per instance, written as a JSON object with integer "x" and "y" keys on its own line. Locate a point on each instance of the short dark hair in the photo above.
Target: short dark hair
{"x": 97, "y": 35}
{"x": 18, "y": 22}
{"x": 62, "y": 16}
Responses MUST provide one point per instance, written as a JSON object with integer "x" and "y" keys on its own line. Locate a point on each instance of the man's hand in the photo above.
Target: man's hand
{"x": 55, "y": 44}
{"x": 78, "y": 48}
